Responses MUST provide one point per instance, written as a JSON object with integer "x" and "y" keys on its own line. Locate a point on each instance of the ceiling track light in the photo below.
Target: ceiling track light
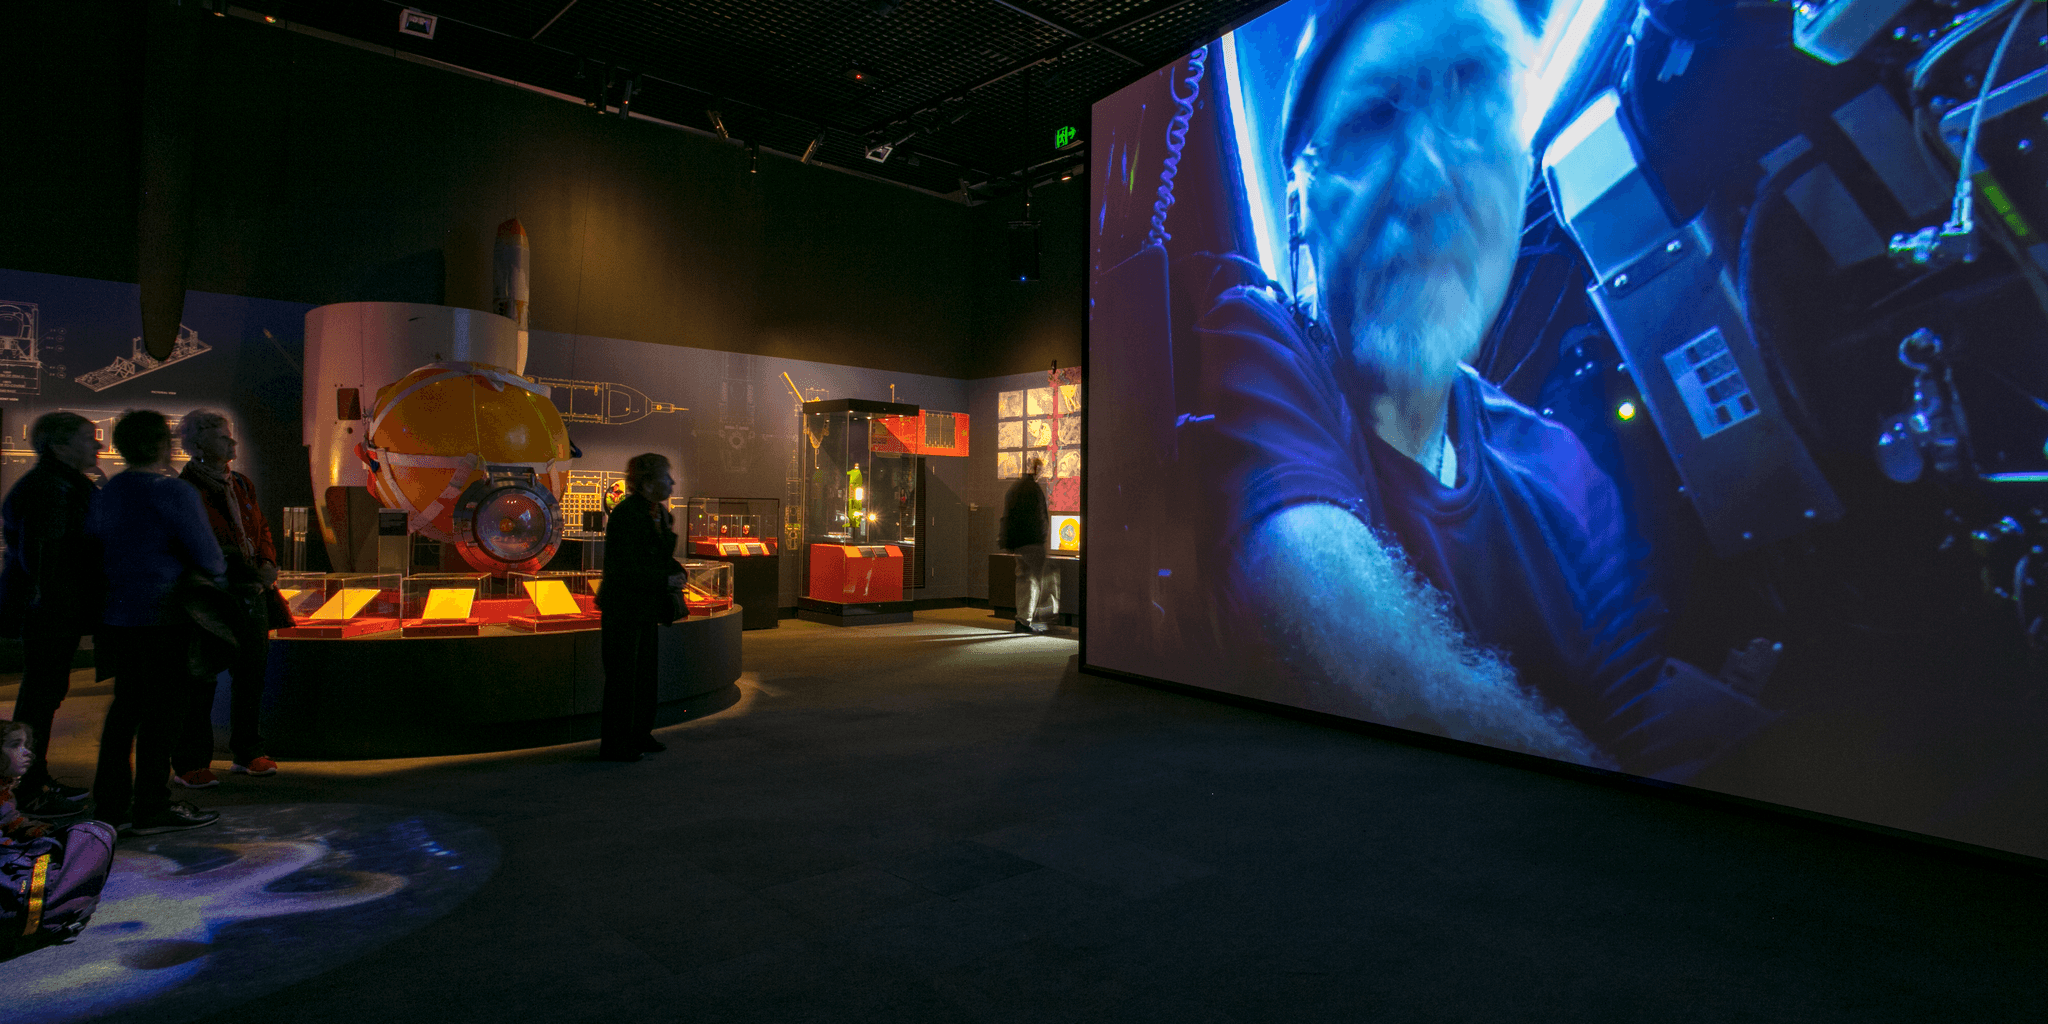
{"x": 879, "y": 149}
{"x": 753, "y": 158}
{"x": 630, "y": 86}
{"x": 811, "y": 150}
{"x": 718, "y": 123}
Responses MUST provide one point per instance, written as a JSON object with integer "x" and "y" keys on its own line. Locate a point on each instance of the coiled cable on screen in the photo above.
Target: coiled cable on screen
{"x": 1176, "y": 137}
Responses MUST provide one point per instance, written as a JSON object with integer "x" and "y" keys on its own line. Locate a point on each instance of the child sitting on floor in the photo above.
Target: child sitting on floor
{"x": 50, "y": 875}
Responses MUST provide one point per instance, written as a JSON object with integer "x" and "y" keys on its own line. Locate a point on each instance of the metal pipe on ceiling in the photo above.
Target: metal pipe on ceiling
{"x": 551, "y": 21}
{"x": 1065, "y": 30}
{"x": 1027, "y": 63}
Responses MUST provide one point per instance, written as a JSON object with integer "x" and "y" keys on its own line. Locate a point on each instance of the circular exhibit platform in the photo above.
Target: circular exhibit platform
{"x": 386, "y": 695}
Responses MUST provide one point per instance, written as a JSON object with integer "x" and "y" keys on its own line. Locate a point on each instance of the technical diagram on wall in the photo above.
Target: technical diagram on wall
{"x": 802, "y": 454}
{"x": 21, "y": 367}
{"x": 606, "y": 402}
{"x": 736, "y": 412}
{"x": 138, "y": 362}
{"x": 587, "y": 491}
{"x": 18, "y": 454}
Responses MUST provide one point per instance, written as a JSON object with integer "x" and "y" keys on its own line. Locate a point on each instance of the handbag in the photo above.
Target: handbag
{"x": 677, "y": 607}
{"x": 276, "y": 613}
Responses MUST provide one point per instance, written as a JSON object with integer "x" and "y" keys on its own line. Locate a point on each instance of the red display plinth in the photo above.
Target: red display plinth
{"x": 421, "y": 627}
{"x": 732, "y": 547}
{"x": 551, "y": 623}
{"x": 856, "y": 573}
{"x": 337, "y": 630}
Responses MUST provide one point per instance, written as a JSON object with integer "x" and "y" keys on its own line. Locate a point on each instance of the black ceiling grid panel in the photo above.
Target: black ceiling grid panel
{"x": 979, "y": 86}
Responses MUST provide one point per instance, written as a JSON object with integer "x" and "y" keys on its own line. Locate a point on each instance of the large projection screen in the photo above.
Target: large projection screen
{"x": 1626, "y": 389}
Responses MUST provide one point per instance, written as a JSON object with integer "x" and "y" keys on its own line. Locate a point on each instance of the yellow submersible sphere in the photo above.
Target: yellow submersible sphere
{"x": 446, "y": 426}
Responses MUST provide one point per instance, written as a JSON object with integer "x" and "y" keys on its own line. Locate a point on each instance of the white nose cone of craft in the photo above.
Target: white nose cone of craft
{"x": 508, "y": 281}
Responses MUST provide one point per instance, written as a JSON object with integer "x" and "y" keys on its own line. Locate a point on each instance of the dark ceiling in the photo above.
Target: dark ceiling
{"x": 979, "y": 86}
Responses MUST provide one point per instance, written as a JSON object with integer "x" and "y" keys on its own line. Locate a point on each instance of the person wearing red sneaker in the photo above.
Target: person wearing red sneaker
{"x": 251, "y": 554}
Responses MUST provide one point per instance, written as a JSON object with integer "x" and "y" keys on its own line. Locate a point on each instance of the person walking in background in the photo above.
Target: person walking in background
{"x": 251, "y": 554}
{"x": 49, "y": 591}
{"x": 1026, "y": 526}
{"x": 152, "y": 530}
{"x": 641, "y": 581}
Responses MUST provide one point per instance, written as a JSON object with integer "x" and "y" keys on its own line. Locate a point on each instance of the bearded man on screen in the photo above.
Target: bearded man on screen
{"x": 1418, "y": 548}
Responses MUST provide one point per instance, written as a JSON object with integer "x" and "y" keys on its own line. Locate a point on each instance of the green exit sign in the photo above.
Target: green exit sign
{"x": 1065, "y": 136}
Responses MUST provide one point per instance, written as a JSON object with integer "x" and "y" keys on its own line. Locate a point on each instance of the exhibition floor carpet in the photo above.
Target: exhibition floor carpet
{"x": 941, "y": 821}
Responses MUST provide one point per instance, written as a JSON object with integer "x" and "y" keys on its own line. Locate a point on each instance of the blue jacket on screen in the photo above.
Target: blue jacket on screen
{"x": 1530, "y": 544}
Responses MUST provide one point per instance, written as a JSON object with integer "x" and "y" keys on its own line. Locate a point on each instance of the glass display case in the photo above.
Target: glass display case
{"x": 729, "y": 527}
{"x": 748, "y": 534}
{"x": 547, "y": 602}
{"x": 708, "y": 588}
{"x": 861, "y": 509}
{"x": 297, "y": 523}
{"x": 443, "y": 603}
{"x": 339, "y": 605}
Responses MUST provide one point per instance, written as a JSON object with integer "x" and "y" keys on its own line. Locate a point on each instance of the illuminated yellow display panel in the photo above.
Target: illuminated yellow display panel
{"x": 449, "y": 604}
{"x": 552, "y": 597}
{"x": 345, "y": 604}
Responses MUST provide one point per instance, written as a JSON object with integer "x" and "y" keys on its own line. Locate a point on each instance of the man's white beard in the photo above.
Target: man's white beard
{"x": 1411, "y": 326}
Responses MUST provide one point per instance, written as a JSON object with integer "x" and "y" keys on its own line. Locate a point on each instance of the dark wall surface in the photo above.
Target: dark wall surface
{"x": 71, "y": 102}
{"x": 1030, "y": 324}
{"x": 323, "y": 172}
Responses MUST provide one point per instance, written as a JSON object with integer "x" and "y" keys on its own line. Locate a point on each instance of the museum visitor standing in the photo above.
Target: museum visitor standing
{"x": 50, "y": 591}
{"x": 1027, "y": 524}
{"x": 152, "y": 531}
{"x": 642, "y": 590}
{"x": 251, "y": 555}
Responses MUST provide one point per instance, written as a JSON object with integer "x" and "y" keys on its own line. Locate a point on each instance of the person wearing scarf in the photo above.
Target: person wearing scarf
{"x": 245, "y": 541}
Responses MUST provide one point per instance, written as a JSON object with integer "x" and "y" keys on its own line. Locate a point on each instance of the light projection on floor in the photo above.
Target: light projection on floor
{"x": 193, "y": 923}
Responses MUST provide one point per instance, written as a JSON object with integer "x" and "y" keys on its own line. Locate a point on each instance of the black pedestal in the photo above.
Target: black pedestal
{"x": 391, "y": 696}
{"x": 873, "y": 613}
{"x": 1002, "y": 586}
{"x": 756, "y": 588}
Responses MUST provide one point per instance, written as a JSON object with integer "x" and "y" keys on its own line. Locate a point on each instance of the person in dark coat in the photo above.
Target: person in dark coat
{"x": 1026, "y": 527}
{"x": 49, "y": 590}
{"x": 251, "y": 554}
{"x": 641, "y": 578}
{"x": 153, "y": 531}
